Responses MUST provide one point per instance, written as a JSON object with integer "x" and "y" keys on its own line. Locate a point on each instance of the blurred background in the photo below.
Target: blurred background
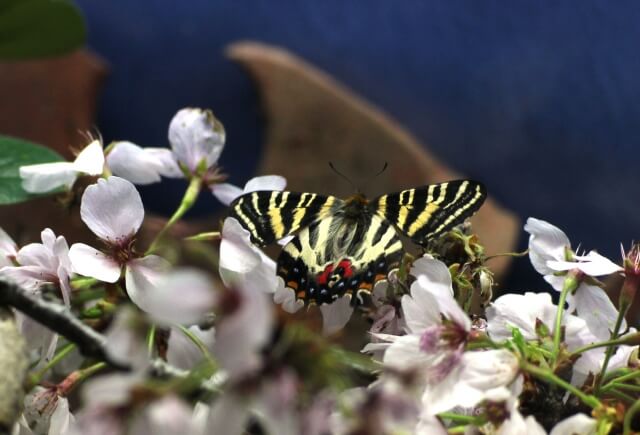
{"x": 536, "y": 99}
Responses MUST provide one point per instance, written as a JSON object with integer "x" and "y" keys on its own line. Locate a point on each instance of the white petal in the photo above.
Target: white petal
{"x": 185, "y": 296}
{"x": 165, "y": 162}
{"x": 182, "y": 352}
{"x": 546, "y": 242}
{"x": 336, "y": 315}
{"x": 196, "y": 135}
{"x": 516, "y": 424}
{"x": 405, "y": 353}
{"x": 226, "y": 192}
{"x": 89, "y": 261}
{"x": 265, "y": 182}
{"x": 433, "y": 275}
{"x": 130, "y": 162}
{"x": 237, "y": 253}
{"x": 420, "y": 309}
{"x": 112, "y": 209}
{"x": 578, "y": 424}
{"x": 594, "y": 306}
{"x": 109, "y": 390}
{"x": 8, "y": 248}
{"x": 229, "y": 415}
{"x": 594, "y": 264}
{"x": 91, "y": 159}
{"x": 125, "y": 339}
{"x": 45, "y": 177}
{"x": 521, "y": 312}
{"x": 61, "y": 418}
{"x": 142, "y": 277}
{"x": 286, "y": 297}
{"x": 36, "y": 254}
{"x": 166, "y": 416}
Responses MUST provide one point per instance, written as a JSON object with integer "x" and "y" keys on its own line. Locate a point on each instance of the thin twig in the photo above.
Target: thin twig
{"x": 59, "y": 319}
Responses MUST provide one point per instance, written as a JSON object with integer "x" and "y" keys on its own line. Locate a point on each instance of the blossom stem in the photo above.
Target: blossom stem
{"x": 614, "y": 342}
{"x": 203, "y": 237}
{"x": 628, "y": 418}
{"x": 620, "y": 380}
{"x": 151, "y": 340}
{"x": 458, "y": 418}
{"x": 78, "y": 376}
{"x": 571, "y": 283}
{"x": 614, "y": 334}
{"x": 187, "y": 202}
{"x": 59, "y": 356}
{"x": 548, "y": 376}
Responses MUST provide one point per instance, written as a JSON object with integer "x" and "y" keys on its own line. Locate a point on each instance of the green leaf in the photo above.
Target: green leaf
{"x": 14, "y": 153}
{"x": 39, "y": 28}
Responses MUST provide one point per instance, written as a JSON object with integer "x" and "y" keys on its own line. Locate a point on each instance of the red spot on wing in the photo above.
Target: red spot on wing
{"x": 347, "y": 271}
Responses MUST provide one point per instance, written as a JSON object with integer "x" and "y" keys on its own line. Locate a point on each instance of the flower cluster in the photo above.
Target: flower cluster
{"x": 229, "y": 349}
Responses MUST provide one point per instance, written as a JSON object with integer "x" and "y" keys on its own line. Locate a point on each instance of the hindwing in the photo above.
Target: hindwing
{"x": 333, "y": 257}
{"x": 272, "y": 215}
{"x": 425, "y": 212}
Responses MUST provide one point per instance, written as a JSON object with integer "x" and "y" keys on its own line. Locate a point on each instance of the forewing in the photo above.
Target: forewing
{"x": 309, "y": 267}
{"x": 272, "y": 215}
{"x": 425, "y": 212}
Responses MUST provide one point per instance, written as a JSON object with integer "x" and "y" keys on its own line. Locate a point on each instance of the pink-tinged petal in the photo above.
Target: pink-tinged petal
{"x": 226, "y": 192}
{"x": 166, "y": 416}
{"x": 143, "y": 276}
{"x": 594, "y": 306}
{"x": 262, "y": 278}
{"x": 27, "y": 277}
{"x": 112, "y": 209}
{"x": 8, "y": 249}
{"x": 130, "y": 162}
{"x": 433, "y": 275}
{"x": 184, "y": 296}
{"x": 404, "y": 353}
{"x": 229, "y": 415}
{"x": 237, "y": 253}
{"x": 91, "y": 159}
{"x": 265, "y": 182}
{"x": 36, "y": 254}
{"x": 125, "y": 339}
{"x": 196, "y": 135}
{"x": 89, "y": 261}
{"x": 336, "y": 315}
{"x": 578, "y": 424}
{"x": 110, "y": 390}
{"x": 182, "y": 352}
{"x": 546, "y": 243}
{"x": 48, "y": 238}
{"x": 241, "y": 334}
{"x": 165, "y": 162}
{"x": 45, "y": 177}
{"x": 286, "y": 297}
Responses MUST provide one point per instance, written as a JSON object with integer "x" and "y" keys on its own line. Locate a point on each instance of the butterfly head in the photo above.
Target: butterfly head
{"x": 355, "y": 206}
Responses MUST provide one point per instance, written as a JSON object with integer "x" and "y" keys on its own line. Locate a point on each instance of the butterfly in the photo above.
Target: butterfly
{"x": 344, "y": 247}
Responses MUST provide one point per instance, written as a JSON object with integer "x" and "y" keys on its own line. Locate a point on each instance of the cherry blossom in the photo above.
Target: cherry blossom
{"x": 45, "y": 177}
{"x": 113, "y": 210}
{"x": 438, "y": 332}
{"x": 550, "y": 254}
{"x": 39, "y": 264}
{"x": 142, "y": 165}
{"x": 197, "y": 139}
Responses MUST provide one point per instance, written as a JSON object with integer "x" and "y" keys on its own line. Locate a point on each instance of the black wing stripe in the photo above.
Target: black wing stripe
{"x": 272, "y": 215}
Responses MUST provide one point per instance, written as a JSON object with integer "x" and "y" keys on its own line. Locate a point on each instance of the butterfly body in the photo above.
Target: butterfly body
{"x": 343, "y": 247}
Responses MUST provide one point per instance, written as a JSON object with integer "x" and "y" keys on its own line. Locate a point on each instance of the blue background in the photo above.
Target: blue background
{"x": 537, "y": 99}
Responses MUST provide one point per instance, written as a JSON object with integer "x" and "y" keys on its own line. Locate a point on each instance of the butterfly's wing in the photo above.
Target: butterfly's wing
{"x": 425, "y": 212}
{"x": 273, "y": 215}
{"x": 333, "y": 257}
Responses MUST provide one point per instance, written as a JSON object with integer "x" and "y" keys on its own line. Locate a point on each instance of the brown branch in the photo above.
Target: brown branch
{"x": 59, "y": 319}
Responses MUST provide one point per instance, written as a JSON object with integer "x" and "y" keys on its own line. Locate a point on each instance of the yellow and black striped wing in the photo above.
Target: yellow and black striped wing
{"x": 272, "y": 215}
{"x": 425, "y": 212}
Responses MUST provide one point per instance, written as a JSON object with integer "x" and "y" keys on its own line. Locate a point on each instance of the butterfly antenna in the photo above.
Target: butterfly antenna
{"x": 343, "y": 176}
{"x": 384, "y": 168}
